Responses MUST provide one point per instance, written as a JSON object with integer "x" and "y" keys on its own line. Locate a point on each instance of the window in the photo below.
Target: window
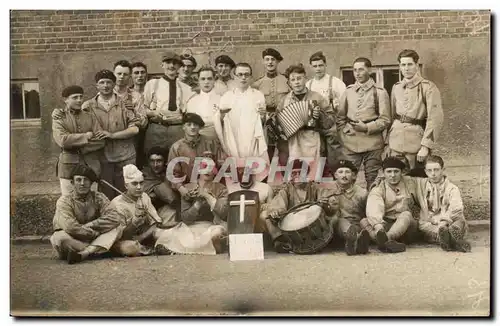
{"x": 24, "y": 100}
{"x": 385, "y": 76}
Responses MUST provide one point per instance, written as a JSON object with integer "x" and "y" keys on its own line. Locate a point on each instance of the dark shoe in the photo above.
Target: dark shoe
{"x": 161, "y": 250}
{"x": 363, "y": 242}
{"x": 350, "y": 240}
{"x": 74, "y": 257}
{"x": 462, "y": 246}
{"x": 444, "y": 238}
{"x": 282, "y": 247}
{"x": 381, "y": 239}
{"x": 393, "y": 246}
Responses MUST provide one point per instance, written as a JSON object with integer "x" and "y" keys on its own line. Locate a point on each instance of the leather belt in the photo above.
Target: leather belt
{"x": 405, "y": 119}
{"x": 367, "y": 121}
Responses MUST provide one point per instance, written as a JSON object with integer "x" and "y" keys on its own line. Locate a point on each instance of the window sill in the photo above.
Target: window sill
{"x": 25, "y": 124}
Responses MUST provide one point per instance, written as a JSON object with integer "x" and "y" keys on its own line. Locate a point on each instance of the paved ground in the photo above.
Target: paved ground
{"x": 423, "y": 280}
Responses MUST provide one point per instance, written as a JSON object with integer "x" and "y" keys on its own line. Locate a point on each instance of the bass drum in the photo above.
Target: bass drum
{"x": 306, "y": 228}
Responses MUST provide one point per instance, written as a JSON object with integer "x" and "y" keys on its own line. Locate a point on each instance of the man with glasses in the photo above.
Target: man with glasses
{"x": 238, "y": 122}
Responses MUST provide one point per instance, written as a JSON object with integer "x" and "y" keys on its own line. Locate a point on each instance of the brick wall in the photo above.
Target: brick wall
{"x": 39, "y": 31}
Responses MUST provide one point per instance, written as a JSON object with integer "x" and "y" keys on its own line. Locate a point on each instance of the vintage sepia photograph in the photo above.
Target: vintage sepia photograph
{"x": 250, "y": 162}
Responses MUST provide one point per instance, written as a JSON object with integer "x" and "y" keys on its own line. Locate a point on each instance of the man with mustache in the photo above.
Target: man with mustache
{"x": 299, "y": 190}
{"x": 75, "y": 133}
{"x": 203, "y": 215}
{"x": 274, "y": 86}
{"x": 364, "y": 113}
{"x": 158, "y": 188}
{"x": 238, "y": 122}
{"x": 306, "y": 142}
{"x": 389, "y": 207}
{"x": 119, "y": 127}
{"x": 225, "y": 82}
{"x": 417, "y": 113}
{"x": 165, "y": 101}
{"x": 206, "y": 102}
{"x": 352, "y": 205}
{"x": 76, "y": 220}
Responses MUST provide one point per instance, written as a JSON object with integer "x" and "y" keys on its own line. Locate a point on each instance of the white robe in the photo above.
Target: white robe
{"x": 241, "y": 134}
{"x": 205, "y": 105}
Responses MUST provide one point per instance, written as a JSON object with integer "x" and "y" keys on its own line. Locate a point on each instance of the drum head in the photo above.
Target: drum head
{"x": 300, "y": 219}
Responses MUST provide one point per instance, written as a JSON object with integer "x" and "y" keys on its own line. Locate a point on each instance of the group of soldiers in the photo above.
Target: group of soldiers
{"x": 109, "y": 205}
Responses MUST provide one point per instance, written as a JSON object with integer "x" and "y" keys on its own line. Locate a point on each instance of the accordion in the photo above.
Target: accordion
{"x": 296, "y": 116}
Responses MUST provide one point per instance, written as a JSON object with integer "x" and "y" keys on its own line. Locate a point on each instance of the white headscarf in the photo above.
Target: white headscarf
{"x": 132, "y": 173}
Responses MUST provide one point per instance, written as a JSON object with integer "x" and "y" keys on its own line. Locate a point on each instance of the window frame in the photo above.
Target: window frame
{"x": 379, "y": 72}
{"x": 26, "y": 122}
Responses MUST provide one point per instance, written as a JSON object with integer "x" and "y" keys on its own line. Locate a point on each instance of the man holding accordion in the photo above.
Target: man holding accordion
{"x": 303, "y": 115}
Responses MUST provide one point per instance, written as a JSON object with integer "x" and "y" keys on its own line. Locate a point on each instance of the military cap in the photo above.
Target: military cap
{"x": 70, "y": 90}
{"x": 393, "y": 162}
{"x": 273, "y": 53}
{"x": 105, "y": 74}
{"x": 194, "y": 118}
{"x": 189, "y": 57}
{"x": 344, "y": 164}
{"x": 225, "y": 59}
{"x": 171, "y": 56}
{"x": 84, "y": 170}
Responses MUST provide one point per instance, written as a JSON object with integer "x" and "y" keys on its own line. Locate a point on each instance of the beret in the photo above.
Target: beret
{"x": 393, "y": 162}
{"x": 190, "y": 58}
{"x": 273, "y": 53}
{"x": 344, "y": 164}
{"x": 194, "y": 118}
{"x": 105, "y": 74}
{"x": 70, "y": 90}
{"x": 84, "y": 170}
{"x": 171, "y": 56}
{"x": 225, "y": 59}
{"x": 297, "y": 165}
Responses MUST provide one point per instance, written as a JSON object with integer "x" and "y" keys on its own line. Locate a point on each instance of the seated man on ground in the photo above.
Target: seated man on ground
{"x": 76, "y": 219}
{"x": 297, "y": 191}
{"x": 134, "y": 214}
{"x": 352, "y": 205}
{"x": 442, "y": 217}
{"x": 388, "y": 209}
{"x": 158, "y": 188}
{"x": 203, "y": 229}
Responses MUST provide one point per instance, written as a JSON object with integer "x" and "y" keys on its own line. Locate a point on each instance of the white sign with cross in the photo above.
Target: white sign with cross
{"x": 242, "y": 203}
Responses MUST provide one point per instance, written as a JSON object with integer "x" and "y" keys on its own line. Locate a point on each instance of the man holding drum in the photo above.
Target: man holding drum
{"x": 300, "y": 191}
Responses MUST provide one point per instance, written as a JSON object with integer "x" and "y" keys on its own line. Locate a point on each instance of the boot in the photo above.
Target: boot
{"x": 392, "y": 246}
{"x": 444, "y": 238}
{"x": 381, "y": 239}
{"x": 457, "y": 241}
{"x": 161, "y": 250}
{"x": 281, "y": 246}
{"x": 350, "y": 240}
{"x": 363, "y": 242}
{"x": 74, "y": 257}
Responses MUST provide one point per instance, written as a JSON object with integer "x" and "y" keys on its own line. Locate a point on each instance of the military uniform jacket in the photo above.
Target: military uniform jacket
{"x": 368, "y": 103}
{"x": 420, "y": 99}
{"x": 274, "y": 89}
{"x": 69, "y": 134}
